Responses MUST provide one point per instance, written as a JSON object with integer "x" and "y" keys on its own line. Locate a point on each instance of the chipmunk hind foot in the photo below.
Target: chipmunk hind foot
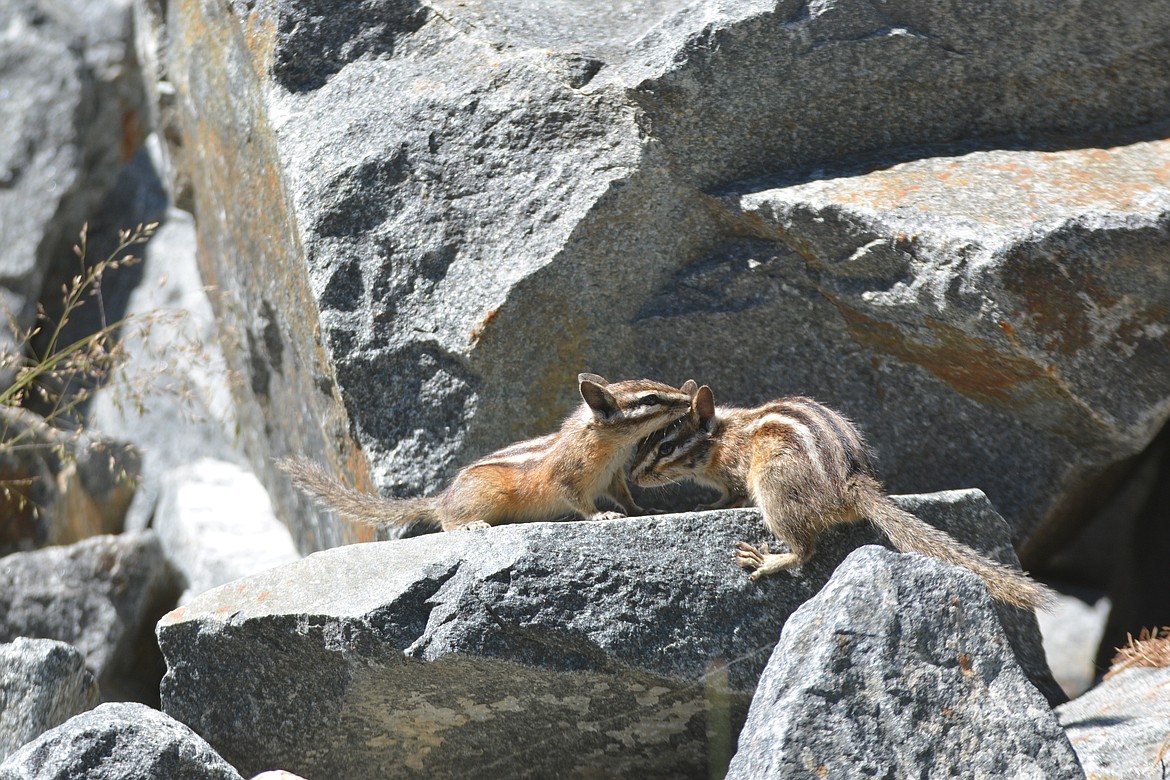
{"x": 762, "y": 562}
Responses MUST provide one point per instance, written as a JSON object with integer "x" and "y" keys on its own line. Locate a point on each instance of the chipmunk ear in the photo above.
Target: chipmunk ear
{"x": 703, "y": 403}
{"x": 690, "y": 387}
{"x": 594, "y": 378}
{"x": 599, "y": 399}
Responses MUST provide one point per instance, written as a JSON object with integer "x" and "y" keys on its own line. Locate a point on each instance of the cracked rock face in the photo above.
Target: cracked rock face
{"x": 898, "y": 668}
{"x": 426, "y": 218}
{"x": 627, "y": 648}
{"x": 73, "y": 116}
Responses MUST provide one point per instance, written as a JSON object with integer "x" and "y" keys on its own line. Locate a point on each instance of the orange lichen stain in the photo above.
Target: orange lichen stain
{"x": 972, "y": 367}
{"x": 1007, "y": 328}
{"x": 1054, "y": 295}
{"x": 965, "y": 664}
{"x": 263, "y": 595}
{"x": 259, "y": 32}
{"x": 225, "y": 609}
{"x": 1161, "y": 174}
{"x": 478, "y": 331}
{"x": 354, "y": 464}
{"x": 175, "y": 615}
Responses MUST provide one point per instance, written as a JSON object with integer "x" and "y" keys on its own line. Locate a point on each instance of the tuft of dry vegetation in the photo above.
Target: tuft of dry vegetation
{"x": 42, "y": 369}
{"x": 1151, "y": 648}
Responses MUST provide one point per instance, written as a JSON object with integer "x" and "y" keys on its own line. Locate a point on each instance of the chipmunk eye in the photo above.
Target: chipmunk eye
{"x": 650, "y": 400}
{"x": 666, "y": 448}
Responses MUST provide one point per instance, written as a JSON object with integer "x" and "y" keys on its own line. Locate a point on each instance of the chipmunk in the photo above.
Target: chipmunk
{"x": 539, "y": 479}
{"x": 808, "y": 469}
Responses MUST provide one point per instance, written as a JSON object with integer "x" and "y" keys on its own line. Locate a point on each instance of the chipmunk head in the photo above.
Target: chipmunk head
{"x": 634, "y": 407}
{"x": 681, "y": 449}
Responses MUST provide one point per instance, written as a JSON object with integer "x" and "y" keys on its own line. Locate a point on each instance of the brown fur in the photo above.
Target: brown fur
{"x": 808, "y": 469}
{"x": 541, "y": 479}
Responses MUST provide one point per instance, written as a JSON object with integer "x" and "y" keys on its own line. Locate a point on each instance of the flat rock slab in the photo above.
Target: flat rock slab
{"x": 898, "y": 668}
{"x": 43, "y": 683}
{"x": 1119, "y": 728}
{"x": 626, "y": 648}
{"x": 118, "y": 742}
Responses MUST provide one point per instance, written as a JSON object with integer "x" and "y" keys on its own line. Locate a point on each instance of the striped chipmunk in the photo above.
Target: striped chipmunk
{"x": 539, "y": 479}
{"x": 808, "y": 469}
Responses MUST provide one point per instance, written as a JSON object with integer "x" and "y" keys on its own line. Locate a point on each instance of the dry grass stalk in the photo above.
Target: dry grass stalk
{"x": 60, "y": 378}
{"x": 1151, "y": 648}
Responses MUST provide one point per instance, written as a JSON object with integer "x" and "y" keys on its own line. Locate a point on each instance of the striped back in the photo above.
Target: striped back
{"x": 522, "y": 453}
{"x": 800, "y": 427}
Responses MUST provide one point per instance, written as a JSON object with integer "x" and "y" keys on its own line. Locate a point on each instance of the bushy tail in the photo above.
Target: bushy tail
{"x": 354, "y": 505}
{"x": 910, "y": 534}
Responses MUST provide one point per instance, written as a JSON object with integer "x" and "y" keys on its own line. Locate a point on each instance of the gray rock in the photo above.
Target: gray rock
{"x": 188, "y": 412}
{"x": 216, "y": 525}
{"x": 968, "y": 516}
{"x": 118, "y": 742}
{"x": 1119, "y": 727}
{"x": 1072, "y": 629}
{"x": 1006, "y": 305}
{"x": 471, "y": 202}
{"x": 898, "y": 668}
{"x": 103, "y": 596}
{"x": 622, "y": 648}
{"x": 43, "y": 683}
{"x": 74, "y": 113}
